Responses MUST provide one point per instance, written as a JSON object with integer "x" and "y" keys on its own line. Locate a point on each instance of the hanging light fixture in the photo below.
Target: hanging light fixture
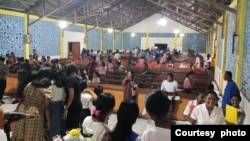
{"x": 132, "y": 34}
{"x": 182, "y": 35}
{"x": 162, "y": 21}
{"x": 63, "y": 24}
{"x": 176, "y": 31}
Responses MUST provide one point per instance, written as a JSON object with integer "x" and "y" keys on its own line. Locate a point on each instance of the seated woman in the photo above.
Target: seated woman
{"x": 123, "y": 129}
{"x": 102, "y": 69}
{"x": 208, "y": 113}
{"x": 183, "y": 64}
{"x": 193, "y": 103}
{"x": 96, "y": 78}
{"x": 170, "y": 64}
{"x": 188, "y": 82}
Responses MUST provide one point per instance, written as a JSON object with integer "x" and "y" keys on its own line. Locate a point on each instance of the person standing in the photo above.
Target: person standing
{"x": 73, "y": 105}
{"x": 128, "y": 83}
{"x": 3, "y": 72}
{"x": 230, "y": 89}
{"x": 23, "y": 76}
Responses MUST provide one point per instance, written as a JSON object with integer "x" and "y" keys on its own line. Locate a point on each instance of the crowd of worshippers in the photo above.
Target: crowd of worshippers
{"x": 58, "y": 97}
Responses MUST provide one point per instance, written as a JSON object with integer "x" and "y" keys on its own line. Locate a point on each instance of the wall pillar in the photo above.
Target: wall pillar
{"x": 26, "y": 32}
{"x": 175, "y": 40}
{"x": 62, "y": 43}
{"x": 101, "y": 39}
{"x": 85, "y": 36}
{"x": 147, "y": 40}
{"x": 240, "y": 31}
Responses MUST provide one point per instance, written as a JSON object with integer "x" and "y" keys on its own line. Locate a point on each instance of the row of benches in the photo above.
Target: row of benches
{"x": 154, "y": 79}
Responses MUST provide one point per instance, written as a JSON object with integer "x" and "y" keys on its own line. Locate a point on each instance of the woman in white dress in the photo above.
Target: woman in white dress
{"x": 208, "y": 113}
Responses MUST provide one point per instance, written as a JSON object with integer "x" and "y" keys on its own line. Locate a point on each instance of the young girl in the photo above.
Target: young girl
{"x": 193, "y": 103}
{"x": 128, "y": 85}
{"x": 188, "y": 82}
{"x": 96, "y": 78}
{"x": 88, "y": 97}
{"x": 235, "y": 100}
{"x": 97, "y": 122}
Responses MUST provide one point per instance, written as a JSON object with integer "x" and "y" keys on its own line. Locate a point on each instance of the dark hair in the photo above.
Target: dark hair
{"x": 125, "y": 121}
{"x": 211, "y": 86}
{"x": 157, "y": 104}
{"x": 171, "y": 75}
{"x": 70, "y": 68}
{"x": 59, "y": 78}
{"x": 229, "y": 74}
{"x": 43, "y": 79}
{"x": 213, "y": 93}
{"x": 2, "y": 59}
{"x": 98, "y": 90}
{"x": 189, "y": 73}
{"x": 236, "y": 95}
{"x": 132, "y": 73}
{"x": 83, "y": 84}
{"x": 105, "y": 102}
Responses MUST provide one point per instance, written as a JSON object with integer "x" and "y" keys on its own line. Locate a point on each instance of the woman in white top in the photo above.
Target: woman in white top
{"x": 208, "y": 113}
{"x": 197, "y": 61}
{"x": 191, "y": 104}
{"x": 56, "y": 105}
{"x": 96, "y": 78}
{"x": 169, "y": 85}
{"x": 97, "y": 122}
{"x": 207, "y": 60}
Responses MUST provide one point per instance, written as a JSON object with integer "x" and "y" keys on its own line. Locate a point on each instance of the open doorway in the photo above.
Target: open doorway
{"x": 74, "y": 50}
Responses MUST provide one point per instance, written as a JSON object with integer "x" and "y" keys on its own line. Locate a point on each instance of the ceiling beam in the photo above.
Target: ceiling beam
{"x": 44, "y": 16}
{"x": 201, "y": 15}
{"x": 221, "y": 6}
{"x": 29, "y": 8}
{"x": 188, "y": 10}
{"x": 181, "y": 15}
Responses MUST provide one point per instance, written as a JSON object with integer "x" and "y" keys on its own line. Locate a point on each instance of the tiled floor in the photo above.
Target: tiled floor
{"x": 139, "y": 126}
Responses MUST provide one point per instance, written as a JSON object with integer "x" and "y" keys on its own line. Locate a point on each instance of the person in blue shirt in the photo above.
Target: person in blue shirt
{"x": 230, "y": 89}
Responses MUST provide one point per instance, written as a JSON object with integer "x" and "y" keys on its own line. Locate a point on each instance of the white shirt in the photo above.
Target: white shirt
{"x": 99, "y": 128}
{"x": 200, "y": 114}
{"x": 183, "y": 65}
{"x": 197, "y": 62}
{"x": 167, "y": 86}
{"x": 87, "y": 102}
{"x": 187, "y": 109}
{"x": 96, "y": 80}
{"x": 155, "y": 134}
{"x": 57, "y": 94}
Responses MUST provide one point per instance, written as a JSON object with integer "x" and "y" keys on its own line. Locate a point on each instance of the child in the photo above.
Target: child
{"x": 235, "y": 100}
{"x": 191, "y": 104}
{"x": 123, "y": 129}
{"x": 97, "y": 122}
{"x": 96, "y": 78}
{"x": 188, "y": 82}
{"x": 88, "y": 97}
{"x": 157, "y": 106}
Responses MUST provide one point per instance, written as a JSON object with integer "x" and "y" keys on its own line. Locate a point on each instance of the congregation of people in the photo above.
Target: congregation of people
{"x": 58, "y": 95}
